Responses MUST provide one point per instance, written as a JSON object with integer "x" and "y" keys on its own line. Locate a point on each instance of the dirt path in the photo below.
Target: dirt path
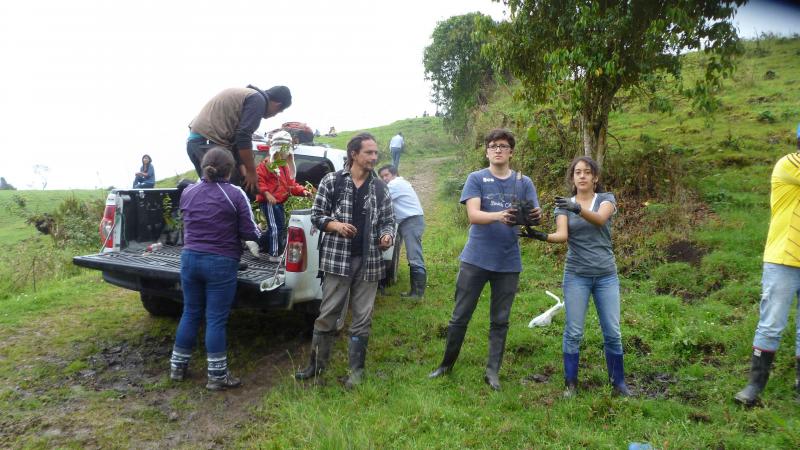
{"x": 125, "y": 378}
{"x": 425, "y": 181}
{"x": 208, "y": 427}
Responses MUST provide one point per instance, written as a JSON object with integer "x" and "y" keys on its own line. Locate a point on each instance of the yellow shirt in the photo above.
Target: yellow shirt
{"x": 783, "y": 239}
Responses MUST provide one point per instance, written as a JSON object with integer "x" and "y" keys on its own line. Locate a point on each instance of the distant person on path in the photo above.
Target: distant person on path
{"x": 331, "y": 132}
{"x": 274, "y": 188}
{"x": 146, "y": 176}
{"x": 354, "y": 210}
{"x": 780, "y": 279}
{"x": 411, "y": 225}
{"x": 216, "y": 218}
{"x": 229, "y": 120}
{"x": 492, "y": 252}
{"x": 396, "y": 146}
{"x": 583, "y": 221}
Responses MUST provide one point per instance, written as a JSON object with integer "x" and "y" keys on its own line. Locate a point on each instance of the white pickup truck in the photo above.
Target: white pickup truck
{"x": 136, "y": 219}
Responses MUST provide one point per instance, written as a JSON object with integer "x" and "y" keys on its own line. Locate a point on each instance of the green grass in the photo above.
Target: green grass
{"x": 13, "y": 228}
{"x": 687, "y": 326}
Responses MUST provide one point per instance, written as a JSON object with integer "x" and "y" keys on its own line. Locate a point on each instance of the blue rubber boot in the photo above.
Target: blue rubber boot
{"x": 616, "y": 373}
{"x": 571, "y": 374}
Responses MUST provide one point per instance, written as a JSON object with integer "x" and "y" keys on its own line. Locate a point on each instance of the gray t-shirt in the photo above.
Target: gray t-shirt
{"x": 589, "y": 252}
{"x": 495, "y": 246}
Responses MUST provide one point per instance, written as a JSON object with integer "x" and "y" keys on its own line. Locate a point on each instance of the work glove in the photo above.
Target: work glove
{"x": 567, "y": 204}
{"x": 538, "y": 235}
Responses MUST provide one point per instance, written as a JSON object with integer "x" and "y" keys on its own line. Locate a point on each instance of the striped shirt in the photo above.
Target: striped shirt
{"x": 334, "y": 249}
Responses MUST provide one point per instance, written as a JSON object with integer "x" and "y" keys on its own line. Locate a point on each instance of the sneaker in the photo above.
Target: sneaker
{"x": 226, "y": 382}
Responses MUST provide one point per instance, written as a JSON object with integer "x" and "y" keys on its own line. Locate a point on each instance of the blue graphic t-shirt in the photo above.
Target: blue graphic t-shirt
{"x": 495, "y": 246}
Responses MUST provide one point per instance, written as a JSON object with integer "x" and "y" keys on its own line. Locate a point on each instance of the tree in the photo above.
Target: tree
{"x": 6, "y": 186}
{"x": 42, "y": 171}
{"x": 580, "y": 53}
{"x": 461, "y": 75}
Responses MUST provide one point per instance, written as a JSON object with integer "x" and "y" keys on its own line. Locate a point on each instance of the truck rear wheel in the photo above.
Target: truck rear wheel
{"x": 161, "y": 306}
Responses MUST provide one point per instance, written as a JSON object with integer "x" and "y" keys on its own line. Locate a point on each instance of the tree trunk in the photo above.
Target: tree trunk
{"x": 595, "y": 132}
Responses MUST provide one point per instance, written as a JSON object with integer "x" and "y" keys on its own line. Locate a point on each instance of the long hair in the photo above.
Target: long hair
{"x": 354, "y": 145}
{"x": 598, "y": 187}
{"x": 149, "y": 159}
{"x": 217, "y": 164}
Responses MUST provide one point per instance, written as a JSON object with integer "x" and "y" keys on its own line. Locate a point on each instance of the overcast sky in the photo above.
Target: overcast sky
{"x": 88, "y": 86}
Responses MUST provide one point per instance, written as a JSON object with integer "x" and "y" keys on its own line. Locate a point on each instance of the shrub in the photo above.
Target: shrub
{"x": 766, "y": 117}
{"x": 653, "y": 170}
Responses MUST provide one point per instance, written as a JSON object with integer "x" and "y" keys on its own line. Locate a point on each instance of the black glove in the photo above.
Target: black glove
{"x": 532, "y": 233}
{"x": 540, "y": 235}
{"x": 569, "y": 205}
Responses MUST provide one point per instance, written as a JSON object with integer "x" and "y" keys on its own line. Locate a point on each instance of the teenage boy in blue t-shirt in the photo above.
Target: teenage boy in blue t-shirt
{"x": 492, "y": 252}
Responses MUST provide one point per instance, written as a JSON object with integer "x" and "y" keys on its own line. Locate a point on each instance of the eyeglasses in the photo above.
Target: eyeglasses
{"x": 498, "y": 147}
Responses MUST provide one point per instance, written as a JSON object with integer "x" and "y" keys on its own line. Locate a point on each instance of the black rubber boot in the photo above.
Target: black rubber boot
{"x": 418, "y": 279}
{"x": 760, "y": 365}
{"x": 358, "y": 354}
{"x": 320, "y": 354}
{"x": 497, "y": 345}
{"x": 455, "y": 337}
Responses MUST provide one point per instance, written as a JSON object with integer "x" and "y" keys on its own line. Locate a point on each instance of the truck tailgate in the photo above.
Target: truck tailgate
{"x": 165, "y": 264}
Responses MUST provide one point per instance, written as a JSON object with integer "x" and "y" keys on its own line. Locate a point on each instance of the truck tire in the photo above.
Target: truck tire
{"x": 161, "y": 306}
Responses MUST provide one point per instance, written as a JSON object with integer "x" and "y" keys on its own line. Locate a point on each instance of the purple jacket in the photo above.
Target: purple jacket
{"x": 216, "y": 218}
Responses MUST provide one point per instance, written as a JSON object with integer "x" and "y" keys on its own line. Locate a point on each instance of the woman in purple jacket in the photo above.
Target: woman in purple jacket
{"x": 216, "y": 218}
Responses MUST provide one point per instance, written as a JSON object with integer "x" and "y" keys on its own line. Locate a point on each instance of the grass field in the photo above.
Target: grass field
{"x": 689, "y": 309}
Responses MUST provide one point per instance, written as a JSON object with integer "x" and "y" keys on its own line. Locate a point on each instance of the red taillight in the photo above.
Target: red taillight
{"x": 107, "y": 226}
{"x": 296, "y": 250}
{"x": 262, "y": 147}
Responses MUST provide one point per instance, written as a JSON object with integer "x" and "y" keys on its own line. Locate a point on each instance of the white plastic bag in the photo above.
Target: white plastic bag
{"x": 544, "y": 319}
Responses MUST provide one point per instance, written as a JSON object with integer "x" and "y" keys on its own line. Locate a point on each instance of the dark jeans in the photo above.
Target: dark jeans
{"x": 197, "y": 148}
{"x": 209, "y": 288}
{"x": 469, "y": 284}
{"x": 272, "y": 240}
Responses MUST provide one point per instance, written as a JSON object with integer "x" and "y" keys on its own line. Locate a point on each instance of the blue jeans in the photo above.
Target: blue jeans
{"x": 411, "y": 229}
{"x": 396, "y": 156}
{"x": 780, "y": 285}
{"x": 605, "y": 291}
{"x": 272, "y": 239}
{"x": 209, "y": 288}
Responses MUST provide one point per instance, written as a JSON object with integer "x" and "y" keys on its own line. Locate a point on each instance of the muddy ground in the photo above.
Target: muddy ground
{"x": 121, "y": 386}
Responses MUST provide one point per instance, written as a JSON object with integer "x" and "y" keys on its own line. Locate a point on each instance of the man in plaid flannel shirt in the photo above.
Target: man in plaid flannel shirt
{"x": 357, "y": 229}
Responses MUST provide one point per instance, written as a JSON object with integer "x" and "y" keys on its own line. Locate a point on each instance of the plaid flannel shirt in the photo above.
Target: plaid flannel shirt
{"x": 334, "y": 249}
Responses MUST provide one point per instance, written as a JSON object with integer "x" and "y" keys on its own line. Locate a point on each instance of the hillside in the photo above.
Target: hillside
{"x": 693, "y": 195}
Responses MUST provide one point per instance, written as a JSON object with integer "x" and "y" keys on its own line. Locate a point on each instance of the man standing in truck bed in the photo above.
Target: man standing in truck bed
{"x": 229, "y": 119}
{"x": 354, "y": 210}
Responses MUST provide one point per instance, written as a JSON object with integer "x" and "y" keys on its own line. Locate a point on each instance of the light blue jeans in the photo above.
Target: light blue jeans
{"x": 780, "y": 285}
{"x": 396, "y": 152}
{"x": 605, "y": 291}
{"x": 411, "y": 229}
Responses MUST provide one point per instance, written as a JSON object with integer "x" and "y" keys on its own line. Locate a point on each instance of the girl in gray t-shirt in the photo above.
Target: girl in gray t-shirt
{"x": 583, "y": 221}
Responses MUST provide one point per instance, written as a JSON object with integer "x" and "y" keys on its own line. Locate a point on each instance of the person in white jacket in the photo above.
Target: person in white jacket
{"x": 411, "y": 226}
